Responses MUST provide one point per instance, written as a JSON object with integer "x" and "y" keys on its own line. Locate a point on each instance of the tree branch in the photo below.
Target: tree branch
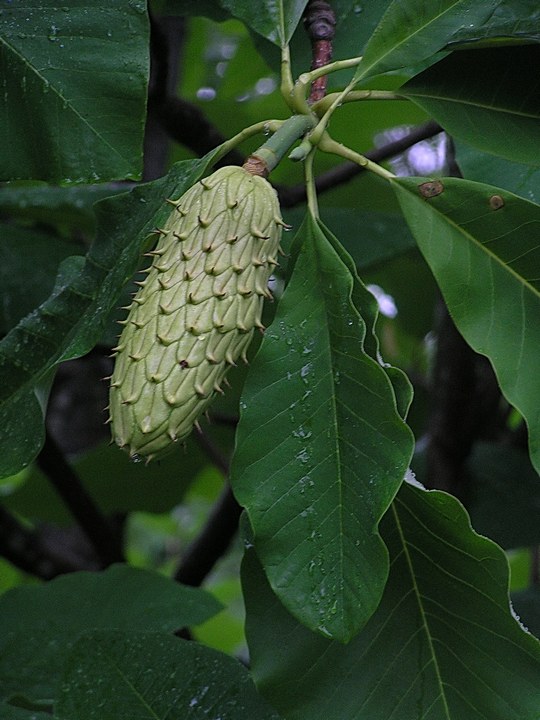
{"x": 296, "y": 194}
{"x": 24, "y": 548}
{"x": 212, "y": 543}
{"x": 221, "y": 527}
{"x": 106, "y": 542}
{"x": 320, "y": 24}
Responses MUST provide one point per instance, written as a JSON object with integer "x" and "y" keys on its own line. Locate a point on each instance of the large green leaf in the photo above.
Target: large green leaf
{"x": 485, "y": 97}
{"x": 64, "y": 207}
{"x": 29, "y": 260}
{"x": 10, "y": 712}
{"x": 73, "y": 98}
{"x": 149, "y": 676}
{"x": 411, "y": 31}
{"x": 443, "y": 644}
{"x": 511, "y": 21}
{"x": 519, "y": 178}
{"x": 481, "y": 244}
{"x": 366, "y": 306}
{"x": 274, "y": 20}
{"x": 321, "y": 449}
{"x": 39, "y": 625}
{"x": 72, "y": 319}
{"x": 370, "y": 237}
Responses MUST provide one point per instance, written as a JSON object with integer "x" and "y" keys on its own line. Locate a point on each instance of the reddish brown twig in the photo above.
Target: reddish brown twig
{"x": 320, "y": 23}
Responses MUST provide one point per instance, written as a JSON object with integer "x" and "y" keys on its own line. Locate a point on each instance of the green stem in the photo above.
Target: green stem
{"x": 354, "y": 96}
{"x": 265, "y": 126}
{"x": 279, "y": 144}
{"x": 308, "y": 77}
{"x": 326, "y": 144}
{"x": 311, "y": 190}
{"x": 287, "y": 83}
{"x": 303, "y": 84}
{"x": 320, "y": 128}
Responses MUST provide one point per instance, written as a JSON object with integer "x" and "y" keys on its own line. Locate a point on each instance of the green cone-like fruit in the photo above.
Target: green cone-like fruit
{"x": 196, "y": 311}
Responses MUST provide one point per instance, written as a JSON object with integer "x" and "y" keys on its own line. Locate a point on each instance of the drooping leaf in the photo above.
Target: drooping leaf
{"x": 39, "y": 625}
{"x": 276, "y": 21}
{"x": 411, "y": 31}
{"x": 149, "y": 676}
{"x": 366, "y": 306}
{"x": 74, "y": 83}
{"x": 70, "y": 322}
{"x": 321, "y": 449}
{"x": 481, "y": 244}
{"x": 443, "y": 644}
{"x": 485, "y": 97}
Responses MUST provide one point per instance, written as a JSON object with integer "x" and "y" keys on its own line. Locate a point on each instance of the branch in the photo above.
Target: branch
{"x": 188, "y": 125}
{"x": 25, "y": 549}
{"x": 106, "y": 542}
{"x": 320, "y": 24}
{"x": 216, "y": 536}
{"x": 213, "y": 541}
{"x": 295, "y": 195}
{"x": 170, "y": 116}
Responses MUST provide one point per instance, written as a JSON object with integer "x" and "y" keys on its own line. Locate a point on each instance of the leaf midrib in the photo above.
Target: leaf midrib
{"x": 407, "y": 39}
{"x": 468, "y": 103}
{"x": 423, "y": 614}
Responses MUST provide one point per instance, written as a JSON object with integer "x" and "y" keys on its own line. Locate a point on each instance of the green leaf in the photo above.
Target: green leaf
{"x": 383, "y": 235}
{"x": 503, "y": 496}
{"x": 485, "y": 97}
{"x": 70, "y": 322}
{"x": 64, "y": 207}
{"x": 74, "y": 83}
{"x": 366, "y": 306}
{"x": 481, "y": 244}
{"x": 121, "y": 676}
{"x": 10, "y": 712}
{"x": 519, "y": 178}
{"x": 275, "y": 21}
{"x": 29, "y": 261}
{"x": 511, "y": 21}
{"x": 39, "y": 625}
{"x": 321, "y": 449}
{"x": 411, "y": 31}
{"x": 443, "y": 644}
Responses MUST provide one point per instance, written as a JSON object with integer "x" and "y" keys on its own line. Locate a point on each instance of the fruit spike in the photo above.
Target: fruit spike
{"x": 196, "y": 311}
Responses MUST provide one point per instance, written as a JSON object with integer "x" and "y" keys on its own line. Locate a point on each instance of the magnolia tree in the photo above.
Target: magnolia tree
{"x": 339, "y": 211}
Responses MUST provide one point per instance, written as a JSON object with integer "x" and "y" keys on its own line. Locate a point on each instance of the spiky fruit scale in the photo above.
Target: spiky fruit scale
{"x": 195, "y": 313}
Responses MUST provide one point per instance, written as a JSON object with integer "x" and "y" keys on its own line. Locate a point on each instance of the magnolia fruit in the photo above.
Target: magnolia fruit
{"x": 195, "y": 313}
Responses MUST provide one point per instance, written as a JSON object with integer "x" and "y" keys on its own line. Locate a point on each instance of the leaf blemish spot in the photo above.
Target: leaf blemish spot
{"x": 431, "y": 188}
{"x": 496, "y": 202}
